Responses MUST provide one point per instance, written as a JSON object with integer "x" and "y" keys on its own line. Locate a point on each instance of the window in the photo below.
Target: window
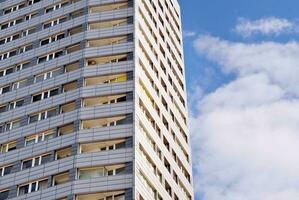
{"x": 96, "y": 101}
{"x": 40, "y": 137}
{"x": 2, "y": 128}
{"x": 44, "y": 95}
{"x": 55, "y": 7}
{"x": 71, "y": 67}
{"x": 6, "y": 72}
{"x": 107, "y": 41}
{"x": 102, "y": 146}
{"x": 63, "y": 153}
{"x": 68, "y": 107}
{"x": 28, "y": 31}
{"x": 94, "y": 172}
{"x": 115, "y": 195}
{"x": 25, "y": 48}
{"x": 12, "y": 125}
{"x": 22, "y": 66}
{"x": 16, "y": 104}
{"x": 108, "y": 23}
{"x": 73, "y": 48}
{"x": 114, "y": 78}
{"x": 5, "y": 170}
{"x": 52, "y": 39}
{"x": 106, "y": 59}
{"x": 32, "y": 187}
{"x": 54, "y": 22}
{"x": 108, "y": 7}
{"x": 42, "y": 115}
{"x": 49, "y": 57}
{"x": 11, "y": 23}
{"x": 36, "y": 161}
{"x": 77, "y": 13}
{"x": 102, "y": 122}
{"x": 2, "y": 108}
{"x": 9, "y": 38}
{"x": 8, "y": 54}
{"x": 66, "y": 129}
{"x": 70, "y": 86}
{"x": 19, "y": 84}
{"x": 30, "y": 16}
{"x": 46, "y": 75}
{"x": 10, "y": 146}
{"x": 88, "y": 173}
{"x": 30, "y": 2}
{"x": 4, "y": 194}
{"x": 14, "y": 8}
{"x": 75, "y": 30}
{"x": 61, "y": 178}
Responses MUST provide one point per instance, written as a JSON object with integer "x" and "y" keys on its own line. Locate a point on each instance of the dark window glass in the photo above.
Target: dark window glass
{"x": 2, "y": 41}
{"x": 64, "y": 4}
{"x": 4, "y": 195}
{"x": 33, "y": 118}
{"x": 58, "y": 54}
{"x": 53, "y": 92}
{"x": 37, "y": 97}
{"x": 2, "y": 109}
{"x": 46, "y": 159}
{"x": 27, "y": 164}
{"x": 4, "y": 26}
{"x": 62, "y": 20}
{"x": 122, "y": 99}
{"x": 29, "y": 48}
{"x": 42, "y": 185}
{"x": 15, "y": 37}
{"x": 51, "y": 113}
{"x": 120, "y": 171}
{"x": 120, "y": 145}
{"x": 13, "y": 53}
{"x": 119, "y": 197}
{"x": 23, "y": 189}
{"x": 19, "y": 103}
{"x": 21, "y": 6}
{"x": 26, "y": 65}
{"x": 44, "y": 42}
{"x": 2, "y": 128}
{"x": 61, "y": 36}
{"x": 7, "y": 170}
{"x": 14, "y": 147}
{"x": 47, "y": 25}
{"x": 19, "y": 21}
{"x": 46, "y": 95}
{"x": 49, "y": 9}
{"x": 42, "y": 59}
{"x": 9, "y": 71}
{"x": 31, "y": 31}
{"x": 5, "y": 89}
{"x": 7, "y": 11}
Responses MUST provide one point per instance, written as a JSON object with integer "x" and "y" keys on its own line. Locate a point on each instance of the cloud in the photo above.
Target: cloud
{"x": 265, "y": 26}
{"x": 189, "y": 33}
{"x": 246, "y": 133}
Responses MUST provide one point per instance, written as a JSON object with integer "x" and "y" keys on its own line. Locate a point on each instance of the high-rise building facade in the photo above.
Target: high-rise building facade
{"x": 93, "y": 101}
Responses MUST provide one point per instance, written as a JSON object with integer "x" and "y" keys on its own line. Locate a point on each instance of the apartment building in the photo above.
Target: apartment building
{"x": 93, "y": 101}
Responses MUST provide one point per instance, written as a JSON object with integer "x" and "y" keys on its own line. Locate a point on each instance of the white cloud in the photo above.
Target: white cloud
{"x": 265, "y": 26}
{"x": 246, "y": 134}
{"x": 189, "y": 33}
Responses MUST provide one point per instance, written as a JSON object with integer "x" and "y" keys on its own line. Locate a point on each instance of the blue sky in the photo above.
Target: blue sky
{"x": 243, "y": 123}
{"x": 217, "y": 18}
